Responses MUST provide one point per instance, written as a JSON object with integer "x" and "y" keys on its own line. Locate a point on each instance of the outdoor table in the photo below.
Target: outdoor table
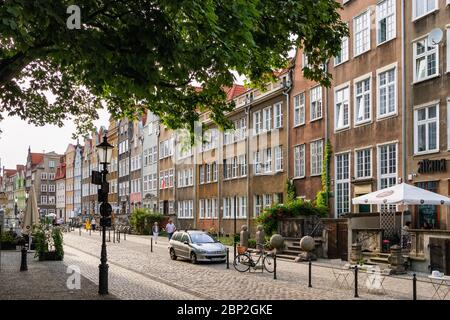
{"x": 441, "y": 286}
{"x": 374, "y": 280}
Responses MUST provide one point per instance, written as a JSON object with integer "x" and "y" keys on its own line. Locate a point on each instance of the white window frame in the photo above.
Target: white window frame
{"x": 448, "y": 45}
{"x": 315, "y": 157}
{"x": 278, "y": 115}
{"x": 344, "y": 53}
{"x": 337, "y": 90}
{"x": 316, "y": 96}
{"x": 300, "y": 160}
{"x": 242, "y": 207}
{"x": 414, "y": 15}
{"x": 425, "y": 55}
{"x": 387, "y": 175}
{"x": 379, "y": 72}
{"x": 363, "y": 94}
{"x": 426, "y": 122}
{"x": 364, "y": 163}
{"x": 365, "y": 32}
{"x": 278, "y": 154}
{"x": 267, "y": 119}
{"x": 257, "y": 122}
{"x": 257, "y": 205}
{"x": 388, "y": 4}
{"x": 299, "y": 109}
{"x": 342, "y": 181}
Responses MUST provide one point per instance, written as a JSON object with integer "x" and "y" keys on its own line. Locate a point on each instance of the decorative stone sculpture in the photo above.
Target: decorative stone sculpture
{"x": 307, "y": 244}
{"x": 277, "y": 242}
{"x": 244, "y": 235}
{"x": 356, "y": 253}
{"x": 260, "y": 237}
{"x": 396, "y": 260}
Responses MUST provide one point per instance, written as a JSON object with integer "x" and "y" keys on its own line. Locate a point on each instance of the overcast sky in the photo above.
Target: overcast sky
{"x": 17, "y": 135}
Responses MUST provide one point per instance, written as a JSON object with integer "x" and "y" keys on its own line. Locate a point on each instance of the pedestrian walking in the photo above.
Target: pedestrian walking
{"x": 93, "y": 223}
{"x": 170, "y": 229}
{"x": 155, "y": 232}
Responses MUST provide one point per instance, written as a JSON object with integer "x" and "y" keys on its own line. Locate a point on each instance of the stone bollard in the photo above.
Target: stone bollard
{"x": 277, "y": 242}
{"x": 307, "y": 245}
{"x": 356, "y": 253}
{"x": 396, "y": 260}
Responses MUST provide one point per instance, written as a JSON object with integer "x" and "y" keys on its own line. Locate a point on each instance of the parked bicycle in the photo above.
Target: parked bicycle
{"x": 244, "y": 260}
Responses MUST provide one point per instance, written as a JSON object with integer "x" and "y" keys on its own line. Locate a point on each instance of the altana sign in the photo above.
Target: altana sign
{"x": 432, "y": 166}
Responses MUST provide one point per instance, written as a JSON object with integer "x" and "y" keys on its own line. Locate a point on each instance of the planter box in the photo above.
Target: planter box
{"x": 49, "y": 256}
{"x": 8, "y": 246}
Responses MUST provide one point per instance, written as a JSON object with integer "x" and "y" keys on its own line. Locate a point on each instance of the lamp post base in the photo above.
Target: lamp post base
{"x": 103, "y": 279}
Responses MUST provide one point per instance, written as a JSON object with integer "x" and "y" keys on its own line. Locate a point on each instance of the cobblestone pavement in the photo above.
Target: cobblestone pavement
{"x": 45, "y": 280}
{"x": 137, "y": 273}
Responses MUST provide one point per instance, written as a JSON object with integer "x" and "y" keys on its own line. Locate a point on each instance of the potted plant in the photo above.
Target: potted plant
{"x": 8, "y": 242}
{"x": 48, "y": 242}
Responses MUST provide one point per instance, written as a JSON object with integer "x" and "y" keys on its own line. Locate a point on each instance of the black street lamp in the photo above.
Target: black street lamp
{"x": 15, "y": 207}
{"x": 234, "y": 235}
{"x": 104, "y": 152}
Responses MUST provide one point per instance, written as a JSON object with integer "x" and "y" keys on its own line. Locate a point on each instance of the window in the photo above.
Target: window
{"x": 278, "y": 158}
{"x": 387, "y": 93}
{"x": 257, "y": 122}
{"x": 51, "y": 200}
{"x": 342, "y": 183}
{"x": 361, "y": 30}
{"x": 278, "y": 116}
{"x": 299, "y": 161}
{"x": 426, "y": 60}
{"x": 448, "y": 127}
{"x": 316, "y": 103}
{"x": 342, "y": 108}
{"x": 214, "y": 171}
{"x": 299, "y": 109}
{"x": 387, "y": 162}
{"x": 43, "y": 176}
{"x": 423, "y": 7}
{"x": 363, "y": 163}
{"x": 267, "y": 118}
{"x": 363, "y": 100}
{"x": 386, "y": 21}
{"x": 202, "y": 173}
{"x": 51, "y": 188}
{"x": 343, "y": 54}
{"x": 208, "y": 172}
{"x": 243, "y": 165}
{"x": 242, "y": 207}
{"x": 426, "y": 129}
{"x": 316, "y": 157}
{"x": 51, "y": 164}
{"x": 43, "y": 199}
{"x": 227, "y": 208}
{"x": 257, "y": 162}
{"x": 267, "y": 198}
{"x": 448, "y": 46}
{"x": 267, "y": 160}
{"x": 258, "y": 205}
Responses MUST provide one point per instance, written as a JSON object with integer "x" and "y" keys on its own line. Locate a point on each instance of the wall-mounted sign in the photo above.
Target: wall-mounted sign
{"x": 432, "y": 166}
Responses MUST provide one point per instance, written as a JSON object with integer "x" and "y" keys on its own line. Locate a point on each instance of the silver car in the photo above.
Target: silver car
{"x": 196, "y": 246}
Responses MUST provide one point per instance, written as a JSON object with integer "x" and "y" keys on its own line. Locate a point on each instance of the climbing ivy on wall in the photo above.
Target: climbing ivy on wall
{"x": 323, "y": 195}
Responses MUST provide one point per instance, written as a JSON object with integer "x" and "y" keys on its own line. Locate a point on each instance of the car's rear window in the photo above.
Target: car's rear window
{"x": 201, "y": 238}
{"x": 176, "y": 236}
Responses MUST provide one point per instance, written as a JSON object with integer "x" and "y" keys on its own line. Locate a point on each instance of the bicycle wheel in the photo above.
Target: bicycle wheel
{"x": 242, "y": 262}
{"x": 269, "y": 263}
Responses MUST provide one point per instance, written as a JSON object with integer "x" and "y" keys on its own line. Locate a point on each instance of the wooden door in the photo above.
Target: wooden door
{"x": 342, "y": 240}
{"x": 332, "y": 241}
{"x": 437, "y": 254}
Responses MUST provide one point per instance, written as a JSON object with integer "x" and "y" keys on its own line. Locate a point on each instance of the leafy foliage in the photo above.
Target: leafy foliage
{"x": 269, "y": 217}
{"x": 135, "y": 55}
{"x": 48, "y": 239}
{"x": 324, "y": 194}
{"x": 142, "y": 220}
{"x": 291, "y": 192}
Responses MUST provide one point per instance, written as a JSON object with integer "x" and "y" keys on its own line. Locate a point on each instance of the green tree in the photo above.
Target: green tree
{"x": 134, "y": 55}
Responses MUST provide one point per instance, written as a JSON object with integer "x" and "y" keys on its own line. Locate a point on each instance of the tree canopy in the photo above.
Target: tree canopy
{"x": 150, "y": 53}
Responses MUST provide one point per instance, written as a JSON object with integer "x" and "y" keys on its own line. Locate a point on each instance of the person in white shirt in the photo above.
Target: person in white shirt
{"x": 155, "y": 231}
{"x": 170, "y": 229}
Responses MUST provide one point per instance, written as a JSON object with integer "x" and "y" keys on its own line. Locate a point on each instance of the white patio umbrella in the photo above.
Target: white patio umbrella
{"x": 403, "y": 194}
{"x": 31, "y": 215}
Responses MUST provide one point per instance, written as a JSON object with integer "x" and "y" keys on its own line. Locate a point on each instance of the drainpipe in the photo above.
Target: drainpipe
{"x": 327, "y": 123}
{"x": 404, "y": 147}
{"x": 247, "y": 152}
{"x": 288, "y": 124}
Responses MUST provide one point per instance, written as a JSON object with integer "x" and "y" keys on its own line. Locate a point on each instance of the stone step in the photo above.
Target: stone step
{"x": 294, "y": 248}
{"x": 286, "y": 256}
{"x": 379, "y": 259}
{"x": 292, "y": 252}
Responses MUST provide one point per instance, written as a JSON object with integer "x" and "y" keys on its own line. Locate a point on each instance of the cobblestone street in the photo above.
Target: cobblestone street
{"x": 137, "y": 273}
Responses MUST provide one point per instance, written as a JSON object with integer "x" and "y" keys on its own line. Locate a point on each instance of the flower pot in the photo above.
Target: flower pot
{"x": 49, "y": 256}
{"x": 8, "y": 246}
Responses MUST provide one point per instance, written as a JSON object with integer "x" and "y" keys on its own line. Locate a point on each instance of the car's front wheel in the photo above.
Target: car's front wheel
{"x": 173, "y": 256}
{"x": 193, "y": 258}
